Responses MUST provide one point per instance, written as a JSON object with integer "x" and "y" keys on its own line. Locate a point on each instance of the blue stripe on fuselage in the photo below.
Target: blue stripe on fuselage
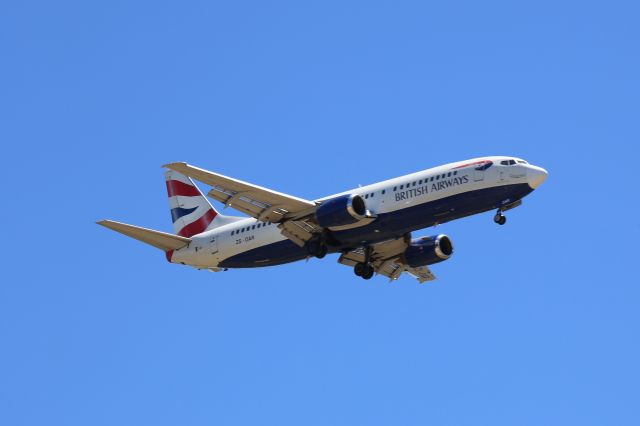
{"x": 387, "y": 225}
{"x": 425, "y": 215}
{"x": 277, "y": 253}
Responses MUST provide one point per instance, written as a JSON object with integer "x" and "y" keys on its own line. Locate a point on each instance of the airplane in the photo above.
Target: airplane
{"x": 370, "y": 227}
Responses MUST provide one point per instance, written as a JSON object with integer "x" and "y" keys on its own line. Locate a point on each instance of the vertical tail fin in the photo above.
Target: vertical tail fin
{"x": 191, "y": 212}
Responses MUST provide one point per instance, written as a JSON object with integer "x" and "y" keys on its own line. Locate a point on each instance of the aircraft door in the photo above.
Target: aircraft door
{"x": 503, "y": 174}
{"x": 213, "y": 244}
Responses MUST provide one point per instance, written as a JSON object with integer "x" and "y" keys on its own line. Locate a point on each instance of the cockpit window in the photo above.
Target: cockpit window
{"x": 508, "y": 162}
{"x": 522, "y": 162}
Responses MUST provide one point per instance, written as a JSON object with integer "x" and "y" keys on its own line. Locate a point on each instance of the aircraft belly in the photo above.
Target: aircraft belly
{"x": 389, "y": 225}
{"x": 275, "y": 253}
{"x": 430, "y": 213}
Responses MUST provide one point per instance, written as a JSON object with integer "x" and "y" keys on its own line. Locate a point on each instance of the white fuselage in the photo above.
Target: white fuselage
{"x": 209, "y": 249}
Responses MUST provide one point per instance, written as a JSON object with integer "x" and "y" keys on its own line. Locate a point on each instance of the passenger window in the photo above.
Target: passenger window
{"x": 431, "y": 179}
{"x": 438, "y": 177}
{"x": 366, "y": 196}
{"x": 383, "y": 191}
{"x": 372, "y": 194}
{"x": 395, "y": 188}
{"x": 253, "y": 227}
{"x": 232, "y": 232}
{"x": 455, "y": 173}
{"x": 402, "y": 186}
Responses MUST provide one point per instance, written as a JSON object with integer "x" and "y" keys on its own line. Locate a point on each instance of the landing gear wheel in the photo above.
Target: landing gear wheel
{"x": 317, "y": 249}
{"x": 363, "y": 270}
{"x": 368, "y": 273}
{"x": 500, "y": 219}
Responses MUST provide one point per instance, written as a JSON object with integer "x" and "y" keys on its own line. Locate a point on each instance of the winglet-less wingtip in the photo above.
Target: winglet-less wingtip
{"x": 174, "y": 166}
{"x": 162, "y": 240}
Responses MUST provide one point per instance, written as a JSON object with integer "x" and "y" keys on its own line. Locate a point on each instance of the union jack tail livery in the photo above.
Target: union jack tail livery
{"x": 191, "y": 212}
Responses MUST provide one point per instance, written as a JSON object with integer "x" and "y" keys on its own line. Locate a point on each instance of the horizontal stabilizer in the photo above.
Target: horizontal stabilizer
{"x": 161, "y": 240}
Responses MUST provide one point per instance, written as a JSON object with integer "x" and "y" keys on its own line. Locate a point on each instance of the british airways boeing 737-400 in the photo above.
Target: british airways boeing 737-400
{"x": 369, "y": 226}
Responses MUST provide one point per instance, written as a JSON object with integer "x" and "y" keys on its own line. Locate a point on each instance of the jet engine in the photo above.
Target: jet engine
{"x": 342, "y": 210}
{"x": 428, "y": 250}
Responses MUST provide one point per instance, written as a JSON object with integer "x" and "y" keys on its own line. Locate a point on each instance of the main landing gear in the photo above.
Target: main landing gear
{"x": 317, "y": 248}
{"x": 364, "y": 269}
{"x": 499, "y": 218}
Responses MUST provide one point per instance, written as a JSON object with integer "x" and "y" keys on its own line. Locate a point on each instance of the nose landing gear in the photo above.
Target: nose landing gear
{"x": 499, "y": 218}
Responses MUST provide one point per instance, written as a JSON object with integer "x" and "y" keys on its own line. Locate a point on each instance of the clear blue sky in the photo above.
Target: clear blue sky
{"x": 534, "y": 323}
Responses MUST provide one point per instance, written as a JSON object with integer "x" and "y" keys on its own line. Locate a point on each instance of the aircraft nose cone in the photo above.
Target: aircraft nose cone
{"x": 536, "y": 176}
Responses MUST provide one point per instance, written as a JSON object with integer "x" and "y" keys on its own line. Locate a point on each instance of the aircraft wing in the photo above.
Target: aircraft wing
{"x": 294, "y": 215}
{"x": 386, "y": 258}
{"x": 262, "y": 203}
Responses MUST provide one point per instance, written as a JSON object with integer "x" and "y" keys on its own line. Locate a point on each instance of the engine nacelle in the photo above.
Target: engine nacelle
{"x": 428, "y": 250}
{"x": 342, "y": 210}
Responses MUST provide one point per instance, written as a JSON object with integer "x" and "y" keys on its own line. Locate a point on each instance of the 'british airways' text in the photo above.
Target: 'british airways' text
{"x": 431, "y": 187}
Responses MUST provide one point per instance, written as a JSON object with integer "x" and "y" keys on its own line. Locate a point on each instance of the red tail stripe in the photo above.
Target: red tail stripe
{"x": 199, "y": 225}
{"x": 175, "y": 187}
